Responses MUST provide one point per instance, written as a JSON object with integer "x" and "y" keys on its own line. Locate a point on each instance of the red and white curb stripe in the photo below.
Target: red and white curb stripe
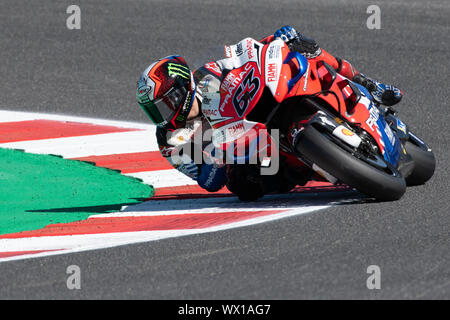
{"x": 132, "y": 149}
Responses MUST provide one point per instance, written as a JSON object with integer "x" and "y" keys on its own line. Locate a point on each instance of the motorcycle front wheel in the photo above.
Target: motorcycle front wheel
{"x": 371, "y": 176}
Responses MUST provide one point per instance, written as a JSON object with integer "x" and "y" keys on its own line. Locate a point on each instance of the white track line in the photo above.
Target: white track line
{"x": 13, "y": 116}
{"x": 91, "y": 145}
{"x": 211, "y": 205}
{"x": 163, "y": 178}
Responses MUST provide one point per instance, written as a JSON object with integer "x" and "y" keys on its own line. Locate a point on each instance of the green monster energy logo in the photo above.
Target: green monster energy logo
{"x": 179, "y": 70}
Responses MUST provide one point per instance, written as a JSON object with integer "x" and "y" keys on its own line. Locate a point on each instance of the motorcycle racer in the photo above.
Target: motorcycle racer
{"x": 171, "y": 95}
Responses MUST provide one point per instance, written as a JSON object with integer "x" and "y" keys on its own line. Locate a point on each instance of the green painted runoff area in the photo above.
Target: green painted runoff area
{"x": 38, "y": 190}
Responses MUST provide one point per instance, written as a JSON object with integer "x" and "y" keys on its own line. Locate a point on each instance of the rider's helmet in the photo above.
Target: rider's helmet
{"x": 166, "y": 91}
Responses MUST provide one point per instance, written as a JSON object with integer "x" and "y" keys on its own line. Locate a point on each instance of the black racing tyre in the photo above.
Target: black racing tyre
{"x": 385, "y": 185}
{"x": 245, "y": 181}
{"x": 424, "y": 164}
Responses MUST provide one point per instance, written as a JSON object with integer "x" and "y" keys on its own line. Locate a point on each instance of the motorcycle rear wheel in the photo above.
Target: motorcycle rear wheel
{"x": 385, "y": 185}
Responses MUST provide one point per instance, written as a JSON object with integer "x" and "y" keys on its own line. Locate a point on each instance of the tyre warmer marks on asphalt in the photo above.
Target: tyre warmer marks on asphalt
{"x": 131, "y": 148}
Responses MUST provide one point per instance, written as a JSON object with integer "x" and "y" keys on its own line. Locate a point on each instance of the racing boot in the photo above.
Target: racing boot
{"x": 387, "y": 95}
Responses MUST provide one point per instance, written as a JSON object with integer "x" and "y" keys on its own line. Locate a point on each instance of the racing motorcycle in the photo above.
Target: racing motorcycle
{"x": 327, "y": 123}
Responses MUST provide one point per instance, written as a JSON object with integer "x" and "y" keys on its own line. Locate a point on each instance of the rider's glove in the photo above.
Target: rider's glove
{"x": 286, "y": 33}
{"x": 213, "y": 173}
{"x": 382, "y": 93}
{"x": 298, "y": 42}
{"x": 212, "y": 178}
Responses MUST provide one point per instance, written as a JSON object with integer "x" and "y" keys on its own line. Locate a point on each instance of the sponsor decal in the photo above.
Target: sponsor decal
{"x": 389, "y": 134}
{"x": 239, "y": 51}
{"x": 347, "y": 136}
{"x": 211, "y": 176}
{"x": 210, "y": 112}
{"x": 274, "y": 52}
{"x": 227, "y": 50}
{"x": 401, "y": 126}
{"x": 272, "y": 72}
{"x": 250, "y": 48}
{"x": 229, "y": 83}
{"x": 373, "y": 118}
{"x": 236, "y": 129}
{"x": 347, "y": 132}
{"x": 179, "y": 70}
{"x": 184, "y": 111}
{"x": 206, "y": 101}
{"x": 143, "y": 90}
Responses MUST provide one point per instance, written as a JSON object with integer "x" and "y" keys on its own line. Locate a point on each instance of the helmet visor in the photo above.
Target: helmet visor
{"x": 164, "y": 109}
{"x": 169, "y": 104}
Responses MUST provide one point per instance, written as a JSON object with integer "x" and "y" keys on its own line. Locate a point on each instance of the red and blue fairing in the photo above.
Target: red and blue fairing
{"x": 388, "y": 140}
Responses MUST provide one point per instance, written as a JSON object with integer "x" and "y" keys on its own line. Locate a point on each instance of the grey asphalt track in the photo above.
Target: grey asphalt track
{"x": 92, "y": 72}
